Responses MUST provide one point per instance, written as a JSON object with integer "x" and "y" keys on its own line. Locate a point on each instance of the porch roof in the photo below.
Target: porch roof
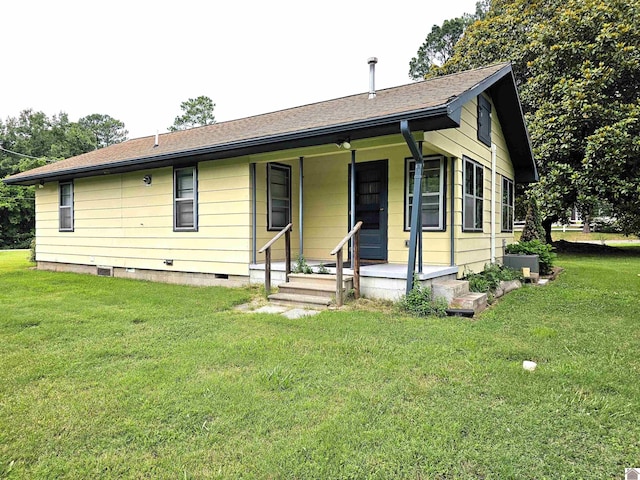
{"x": 431, "y": 104}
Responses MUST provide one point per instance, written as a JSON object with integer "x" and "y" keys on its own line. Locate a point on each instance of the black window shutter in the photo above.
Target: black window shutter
{"x": 484, "y": 121}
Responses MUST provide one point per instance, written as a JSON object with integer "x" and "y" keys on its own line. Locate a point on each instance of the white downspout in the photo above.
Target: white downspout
{"x": 493, "y": 202}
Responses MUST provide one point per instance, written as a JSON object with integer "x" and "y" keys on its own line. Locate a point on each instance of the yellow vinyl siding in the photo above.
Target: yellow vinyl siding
{"x": 263, "y": 234}
{"x": 121, "y": 222}
{"x": 473, "y": 248}
{"x": 325, "y": 204}
{"x": 435, "y": 244}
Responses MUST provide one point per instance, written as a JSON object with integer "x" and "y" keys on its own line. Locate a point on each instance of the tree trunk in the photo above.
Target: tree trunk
{"x": 586, "y": 228}
{"x": 546, "y": 224}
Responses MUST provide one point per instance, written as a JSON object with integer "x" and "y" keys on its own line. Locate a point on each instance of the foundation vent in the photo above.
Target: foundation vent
{"x": 104, "y": 271}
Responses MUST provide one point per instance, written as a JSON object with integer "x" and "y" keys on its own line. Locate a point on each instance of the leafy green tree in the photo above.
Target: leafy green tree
{"x": 106, "y": 129}
{"x": 17, "y": 215}
{"x": 438, "y": 47}
{"x": 532, "y": 229}
{"x": 612, "y": 161}
{"x": 440, "y": 43}
{"x": 30, "y": 140}
{"x": 196, "y": 112}
{"x": 577, "y": 65}
{"x": 34, "y": 134}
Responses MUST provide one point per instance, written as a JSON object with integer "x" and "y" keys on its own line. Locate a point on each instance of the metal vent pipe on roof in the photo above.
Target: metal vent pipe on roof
{"x": 372, "y": 76}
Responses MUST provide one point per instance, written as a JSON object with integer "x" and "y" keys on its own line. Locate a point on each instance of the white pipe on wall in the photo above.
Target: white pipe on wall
{"x": 493, "y": 202}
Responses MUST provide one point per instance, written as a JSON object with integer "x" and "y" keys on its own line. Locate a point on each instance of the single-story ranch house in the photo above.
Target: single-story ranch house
{"x": 196, "y": 206}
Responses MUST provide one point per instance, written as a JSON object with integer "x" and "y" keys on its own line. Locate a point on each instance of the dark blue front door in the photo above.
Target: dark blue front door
{"x": 371, "y": 208}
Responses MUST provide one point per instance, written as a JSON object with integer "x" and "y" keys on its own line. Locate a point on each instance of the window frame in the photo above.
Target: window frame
{"x": 270, "y": 216}
{"x": 69, "y": 207}
{"x": 510, "y": 208}
{"x": 474, "y": 196}
{"x": 484, "y": 120}
{"x": 176, "y": 200}
{"x": 442, "y": 193}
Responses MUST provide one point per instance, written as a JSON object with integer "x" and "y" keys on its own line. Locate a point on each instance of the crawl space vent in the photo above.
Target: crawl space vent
{"x": 105, "y": 271}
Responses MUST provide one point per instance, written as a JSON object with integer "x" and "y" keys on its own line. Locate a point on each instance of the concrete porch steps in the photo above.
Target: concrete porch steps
{"x": 310, "y": 290}
{"x": 457, "y": 295}
{"x": 307, "y": 289}
{"x": 470, "y": 301}
{"x": 299, "y": 300}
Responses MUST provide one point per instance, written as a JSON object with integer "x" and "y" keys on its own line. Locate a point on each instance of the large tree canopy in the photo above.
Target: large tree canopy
{"x": 30, "y": 140}
{"x": 577, "y": 64}
{"x": 196, "y": 112}
{"x": 106, "y": 129}
{"x": 439, "y": 46}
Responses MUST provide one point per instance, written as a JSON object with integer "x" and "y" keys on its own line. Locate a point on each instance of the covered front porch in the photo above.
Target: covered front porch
{"x": 317, "y": 189}
{"x": 385, "y": 281}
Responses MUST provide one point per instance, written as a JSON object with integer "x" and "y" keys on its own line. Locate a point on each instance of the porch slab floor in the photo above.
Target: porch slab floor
{"x": 379, "y": 270}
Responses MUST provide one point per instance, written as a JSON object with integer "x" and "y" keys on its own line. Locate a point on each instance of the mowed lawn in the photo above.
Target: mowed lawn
{"x": 109, "y": 378}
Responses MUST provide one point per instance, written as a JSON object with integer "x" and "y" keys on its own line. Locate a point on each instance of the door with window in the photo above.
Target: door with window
{"x": 371, "y": 208}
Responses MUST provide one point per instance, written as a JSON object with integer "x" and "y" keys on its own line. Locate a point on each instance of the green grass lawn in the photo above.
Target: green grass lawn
{"x": 110, "y": 378}
{"x": 578, "y": 236}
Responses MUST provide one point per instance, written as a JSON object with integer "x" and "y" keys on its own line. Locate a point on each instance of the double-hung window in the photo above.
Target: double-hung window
{"x": 185, "y": 199}
{"x": 65, "y": 207}
{"x": 432, "y": 189}
{"x": 279, "y": 195}
{"x": 507, "y": 205}
{"x": 473, "y": 205}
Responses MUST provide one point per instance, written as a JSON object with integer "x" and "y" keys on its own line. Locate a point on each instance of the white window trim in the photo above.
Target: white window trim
{"x": 286, "y": 168}
{"x": 408, "y": 193}
{"x": 477, "y": 166}
{"x": 507, "y": 181}
{"x": 194, "y": 200}
{"x": 65, "y": 207}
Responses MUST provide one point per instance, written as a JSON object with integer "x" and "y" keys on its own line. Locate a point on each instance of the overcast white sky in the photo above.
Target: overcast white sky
{"x": 138, "y": 60}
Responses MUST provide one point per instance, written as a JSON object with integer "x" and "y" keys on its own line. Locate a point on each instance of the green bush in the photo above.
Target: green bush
{"x": 301, "y": 266}
{"x": 478, "y": 282}
{"x": 420, "y": 302}
{"x": 322, "y": 269}
{"x": 489, "y": 280}
{"x": 607, "y": 225}
{"x": 535, "y": 247}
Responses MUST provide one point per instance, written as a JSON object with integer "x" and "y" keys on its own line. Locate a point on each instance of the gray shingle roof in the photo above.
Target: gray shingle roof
{"x": 270, "y": 130}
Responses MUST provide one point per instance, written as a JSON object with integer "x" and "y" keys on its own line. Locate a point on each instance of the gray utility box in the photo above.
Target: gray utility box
{"x": 517, "y": 262}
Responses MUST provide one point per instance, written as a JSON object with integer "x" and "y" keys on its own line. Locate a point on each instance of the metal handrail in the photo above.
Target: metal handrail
{"x": 286, "y": 231}
{"x": 355, "y": 234}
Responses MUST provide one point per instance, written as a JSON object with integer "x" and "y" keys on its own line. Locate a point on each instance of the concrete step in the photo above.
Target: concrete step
{"x": 449, "y": 289}
{"x": 308, "y": 301}
{"x": 320, "y": 280}
{"x": 300, "y": 288}
{"x": 470, "y": 301}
